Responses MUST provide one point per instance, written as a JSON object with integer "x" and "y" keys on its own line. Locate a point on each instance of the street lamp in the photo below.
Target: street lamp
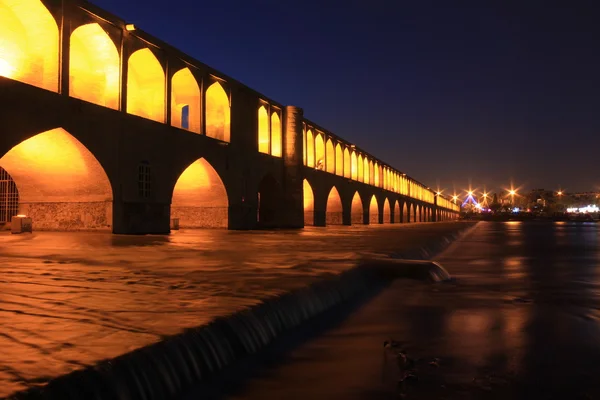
{"x": 512, "y": 193}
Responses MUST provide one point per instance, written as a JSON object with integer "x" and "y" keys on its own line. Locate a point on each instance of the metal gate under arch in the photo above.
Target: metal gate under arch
{"x": 9, "y": 197}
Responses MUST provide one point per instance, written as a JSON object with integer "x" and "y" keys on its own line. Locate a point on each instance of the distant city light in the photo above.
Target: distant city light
{"x": 560, "y": 193}
{"x": 512, "y": 192}
{"x": 516, "y": 209}
{"x": 584, "y": 210}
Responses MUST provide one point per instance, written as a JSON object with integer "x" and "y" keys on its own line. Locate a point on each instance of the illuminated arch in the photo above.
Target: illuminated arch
{"x": 334, "y": 211}
{"x": 309, "y": 204}
{"x": 339, "y": 160}
{"x": 347, "y": 165}
{"x": 29, "y": 43}
{"x": 405, "y": 214}
{"x": 319, "y": 152}
{"x": 94, "y": 64}
{"x": 417, "y": 213}
{"x": 387, "y": 214}
{"x": 185, "y": 101}
{"x": 397, "y": 216}
{"x": 376, "y": 178}
{"x": 353, "y": 166}
{"x": 304, "y": 145}
{"x": 310, "y": 149}
{"x": 330, "y": 156}
{"x": 360, "y": 168}
{"x": 146, "y": 86}
{"x": 373, "y": 211}
{"x": 263, "y": 130}
{"x": 275, "y": 135}
{"x": 371, "y": 173}
{"x": 357, "y": 213}
{"x": 199, "y": 198}
{"x": 218, "y": 118}
{"x": 366, "y": 176}
{"x": 61, "y": 185}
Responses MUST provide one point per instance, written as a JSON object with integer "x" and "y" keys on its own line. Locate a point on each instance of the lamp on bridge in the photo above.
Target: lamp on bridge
{"x": 130, "y": 27}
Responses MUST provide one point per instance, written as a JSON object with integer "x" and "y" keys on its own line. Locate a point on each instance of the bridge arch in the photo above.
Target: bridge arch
{"x": 61, "y": 184}
{"x": 373, "y": 211}
{"x": 353, "y": 166}
{"x": 185, "y": 101}
{"x": 94, "y": 66}
{"x": 360, "y": 168}
{"x": 319, "y": 152}
{"x": 146, "y": 86}
{"x": 397, "y": 215}
{"x": 347, "y": 163}
{"x": 357, "y": 211}
{"x": 339, "y": 160}
{"x": 310, "y": 149}
{"x": 366, "y": 172}
{"x": 406, "y": 212}
{"x": 264, "y": 140}
{"x": 218, "y": 113}
{"x": 30, "y": 43}
{"x": 270, "y": 195}
{"x": 334, "y": 208}
{"x": 309, "y": 203}
{"x": 330, "y": 156}
{"x": 199, "y": 197}
{"x": 276, "y": 136}
{"x": 387, "y": 213}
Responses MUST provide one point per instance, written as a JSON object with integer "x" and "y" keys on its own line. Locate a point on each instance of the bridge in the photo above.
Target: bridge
{"x": 105, "y": 127}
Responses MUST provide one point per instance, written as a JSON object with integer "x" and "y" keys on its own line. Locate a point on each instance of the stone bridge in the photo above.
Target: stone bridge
{"x": 105, "y": 127}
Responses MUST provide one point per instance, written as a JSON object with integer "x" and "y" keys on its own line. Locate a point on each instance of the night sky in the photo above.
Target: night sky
{"x": 450, "y": 95}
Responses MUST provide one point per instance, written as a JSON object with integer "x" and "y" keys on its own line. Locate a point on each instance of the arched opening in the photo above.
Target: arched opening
{"x": 339, "y": 160}
{"x": 185, "y": 101}
{"x": 373, "y": 211}
{"x": 94, "y": 74}
{"x": 366, "y": 176}
{"x": 9, "y": 198}
{"x": 357, "y": 214}
{"x": 330, "y": 156}
{"x": 406, "y": 213}
{"x": 199, "y": 198}
{"x": 310, "y": 149}
{"x": 319, "y": 152}
{"x": 397, "y": 215}
{"x": 360, "y": 168}
{"x": 347, "y": 165}
{"x": 275, "y": 135}
{"x": 334, "y": 212}
{"x": 61, "y": 185}
{"x": 373, "y": 173}
{"x": 269, "y": 202}
{"x": 417, "y": 213}
{"x": 354, "y": 167}
{"x": 309, "y": 204}
{"x": 217, "y": 113}
{"x": 146, "y": 86}
{"x": 264, "y": 144}
{"x": 387, "y": 215}
{"x": 29, "y": 44}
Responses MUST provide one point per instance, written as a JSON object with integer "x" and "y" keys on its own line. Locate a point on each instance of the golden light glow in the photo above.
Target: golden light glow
{"x": 386, "y": 211}
{"x": 146, "y": 86}
{"x": 353, "y": 166}
{"x": 309, "y": 204}
{"x": 512, "y": 192}
{"x": 405, "y": 214}
{"x": 130, "y": 27}
{"x": 319, "y": 152}
{"x": 371, "y": 173}
{"x": 304, "y": 144}
{"x": 360, "y": 168}
{"x": 339, "y": 160}
{"x": 29, "y": 43}
{"x": 397, "y": 215}
{"x": 199, "y": 198}
{"x": 275, "y": 135}
{"x": 218, "y": 113}
{"x": 560, "y": 193}
{"x": 356, "y": 212}
{"x": 330, "y": 156}
{"x": 185, "y": 101}
{"x": 94, "y": 64}
{"x": 366, "y": 175}
{"x": 310, "y": 149}
{"x": 334, "y": 213}
{"x": 347, "y": 165}
{"x": 376, "y": 178}
{"x": 263, "y": 130}
{"x": 373, "y": 211}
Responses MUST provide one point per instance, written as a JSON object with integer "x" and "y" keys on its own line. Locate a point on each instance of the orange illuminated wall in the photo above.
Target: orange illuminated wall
{"x": 199, "y": 198}
{"x": 376, "y": 177}
{"x": 347, "y": 165}
{"x": 357, "y": 212}
{"x": 304, "y": 145}
{"x": 339, "y": 160}
{"x": 371, "y": 173}
{"x": 330, "y": 156}
{"x": 319, "y": 152}
{"x": 263, "y": 130}
{"x": 185, "y": 101}
{"x": 353, "y": 166}
{"x": 309, "y": 204}
{"x": 360, "y": 168}
{"x": 373, "y": 211}
{"x": 29, "y": 43}
{"x": 94, "y": 65}
{"x": 62, "y": 186}
{"x": 310, "y": 149}
{"x": 146, "y": 86}
{"x": 334, "y": 214}
{"x": 275, "y": 135}
{"x": 366, "y": 174}
{"x": 218, "y": 113}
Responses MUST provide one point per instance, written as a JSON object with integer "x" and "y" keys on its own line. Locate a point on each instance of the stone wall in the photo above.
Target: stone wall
{"x": 69, "y": 216}
{"x": 200, "y": 217}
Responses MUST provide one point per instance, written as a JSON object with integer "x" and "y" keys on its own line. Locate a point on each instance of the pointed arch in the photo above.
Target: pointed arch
{"x": 218, "y": 113}
{"x": 357, "y": 212}
{"x": 397, "y": 215}
{"x": 373, "y": 211}
{"x": 264, "y": 140}
{"x": 29, "y": 40}
{"x": 276, "y": 144}
{"x": 387, "y": 213}
{"x": 310, "y": 149}
{"x": 334, "y": 211}
{"x": 353, "y": 166}
{"x": 199, "y": 197}
{"x": 406, "y": 213}
{"x": 417, "y": 213}
{"x": 347, "y": 165}
{"x": 339, "y": 160}
{"x": 377, "y": 177}
{"x": 146, "y": 86}
{"x": 309, "y": 204}
{"x": 361, "y": 170}
{"x": 61, "y": 184}
{"x": 366, "y": 172}
{"x": 330, "y": 156}
{"x": 185, "y": 101}
{"x": 94, "y": 67}
{"x": 319, "y": 152}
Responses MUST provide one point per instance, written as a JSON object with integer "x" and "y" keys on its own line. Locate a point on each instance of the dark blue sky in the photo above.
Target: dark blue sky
{"x": 448, "y": 94}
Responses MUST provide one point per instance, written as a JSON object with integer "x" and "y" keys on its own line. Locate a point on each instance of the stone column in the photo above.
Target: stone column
{"x": 292, "y": 209}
